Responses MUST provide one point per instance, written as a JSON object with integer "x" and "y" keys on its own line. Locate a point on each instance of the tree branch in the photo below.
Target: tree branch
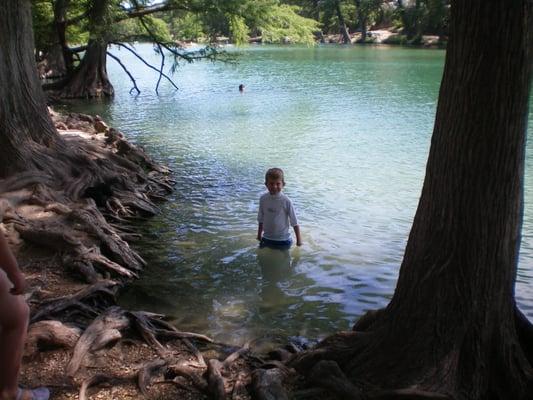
{"x": 142, "y": 11}
{"x": 161, "y": 69}
{"x": 145, "y": 63}
{"x": 127, "y": 72}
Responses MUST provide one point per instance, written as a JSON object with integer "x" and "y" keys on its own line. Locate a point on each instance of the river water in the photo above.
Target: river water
{"x": 350, "y": 126}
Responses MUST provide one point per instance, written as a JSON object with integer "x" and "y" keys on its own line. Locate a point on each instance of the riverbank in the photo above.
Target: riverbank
{"x": 386, "y": 36}
{"x": 71, "y": 241}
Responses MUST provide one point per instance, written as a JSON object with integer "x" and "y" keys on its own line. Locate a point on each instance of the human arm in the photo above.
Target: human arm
{"x": 260, "y": 218}
{"x": 9, "y": 264}
{"x": 259, "y": 231}
{"x": 298, "y": 235}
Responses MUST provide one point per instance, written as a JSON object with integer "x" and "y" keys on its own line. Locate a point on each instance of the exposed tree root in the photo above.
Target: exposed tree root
{"x": 106, "y": 328}
{"x": 146, "y": 330}
{"x": 77, "y": 308}
{"x": 146, "y": 373}
{"x": 337, "y": 347}
{"x": 193, "y": 375}
{"x": 50, "y": 334}
{"x": 216, "y": 384}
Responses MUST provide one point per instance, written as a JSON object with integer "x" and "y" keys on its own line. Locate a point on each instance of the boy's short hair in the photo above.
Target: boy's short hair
{"x": 274, "y": 173}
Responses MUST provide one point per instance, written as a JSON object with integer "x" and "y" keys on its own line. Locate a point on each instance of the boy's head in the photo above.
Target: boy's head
{"x": 274, "y": 180}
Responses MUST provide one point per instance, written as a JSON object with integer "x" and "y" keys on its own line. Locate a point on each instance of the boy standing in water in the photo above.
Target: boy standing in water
{"x": 276, "y": 214}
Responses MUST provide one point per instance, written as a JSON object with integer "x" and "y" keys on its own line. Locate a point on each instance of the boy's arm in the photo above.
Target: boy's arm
{"x": 259, "y": 231}
{"x": 9, "y": 264}
{"x": 298, "y": 236}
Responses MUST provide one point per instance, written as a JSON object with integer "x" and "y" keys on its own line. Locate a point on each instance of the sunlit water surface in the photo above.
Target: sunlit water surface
{"x": 351, "y": 128}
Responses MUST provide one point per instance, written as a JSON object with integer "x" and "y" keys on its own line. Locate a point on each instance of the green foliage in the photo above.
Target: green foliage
{"x": 43, "y": 17}
{"x": 239, "y": 20}
{"x": 426, "y": 17}
{"x": 187, "y": 26}
{"x": 282, "y": 24}
{"x": 131, "y": 29}
{"x": 238, "y": 29}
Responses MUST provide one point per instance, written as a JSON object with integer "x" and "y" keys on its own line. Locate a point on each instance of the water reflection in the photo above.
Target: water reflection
{"x": 276, "y": 269}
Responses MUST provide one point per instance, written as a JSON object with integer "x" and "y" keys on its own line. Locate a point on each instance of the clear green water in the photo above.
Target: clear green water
{"x": 350, "y": 127}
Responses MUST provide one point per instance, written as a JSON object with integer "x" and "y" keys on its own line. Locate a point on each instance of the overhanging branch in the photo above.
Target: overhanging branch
{"x": 127, "y": 72}
{"x": 146, "y": 63}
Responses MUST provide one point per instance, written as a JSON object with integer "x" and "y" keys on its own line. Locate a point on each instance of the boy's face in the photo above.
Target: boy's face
{"x": 274, "y": 186}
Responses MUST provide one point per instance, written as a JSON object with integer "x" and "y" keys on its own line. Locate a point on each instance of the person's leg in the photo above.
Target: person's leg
{"x": 14, "y": 313}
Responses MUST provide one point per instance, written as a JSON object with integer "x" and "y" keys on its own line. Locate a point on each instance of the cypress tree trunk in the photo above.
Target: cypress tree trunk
{"x": 23, "y": 140}
{"x": 451, "y": 323}
{"x": 60, "y": 19}
{"x": 452, "y": 326}
{"x": 90, "y": 78}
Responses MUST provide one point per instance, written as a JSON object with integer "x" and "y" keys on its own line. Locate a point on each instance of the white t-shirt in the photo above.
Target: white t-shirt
{"x": 275, "y": 213}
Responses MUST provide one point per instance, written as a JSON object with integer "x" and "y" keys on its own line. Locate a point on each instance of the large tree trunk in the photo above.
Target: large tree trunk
{"x": 25, "y": 141}
{"x": 90, "y": 78}
{"x": 60, "y": 19}
{"x": 451, "y": 326}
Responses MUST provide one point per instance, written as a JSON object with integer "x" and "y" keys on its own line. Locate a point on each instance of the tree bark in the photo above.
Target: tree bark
{"x": 60, "y": 19}
{"x": 91, "y": 79}
{"x": 24, "y": 141}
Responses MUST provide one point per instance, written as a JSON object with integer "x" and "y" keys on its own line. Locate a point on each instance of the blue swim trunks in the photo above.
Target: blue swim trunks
{"x": 275, "y": 244}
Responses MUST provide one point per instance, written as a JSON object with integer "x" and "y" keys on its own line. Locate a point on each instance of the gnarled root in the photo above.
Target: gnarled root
{"x": 104, "y": 329}
{"x": 50, "y": 333}
{"x": 146, "y": 373}
{"x": 85, "y": 304}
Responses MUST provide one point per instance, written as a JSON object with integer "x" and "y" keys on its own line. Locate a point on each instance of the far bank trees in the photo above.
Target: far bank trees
{"x": 100, "y": 23}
